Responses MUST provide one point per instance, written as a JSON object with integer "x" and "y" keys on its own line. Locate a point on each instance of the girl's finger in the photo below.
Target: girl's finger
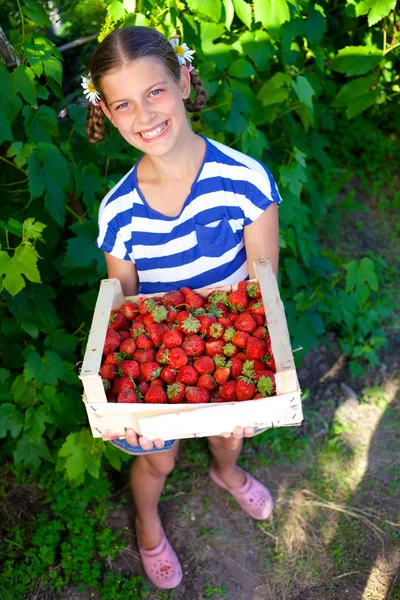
{"x": 159, "y": 443}
{"x": 238, "y": 433}
{"x": 131, "y": 437}
{"x": 248, "y": 431}
{"x": 145, "y": 443}
{"x": 227, "y": 434}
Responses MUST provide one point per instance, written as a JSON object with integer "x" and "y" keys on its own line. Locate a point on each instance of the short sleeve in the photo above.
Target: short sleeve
{"x": 111, "y": 234}
{"x": 261, "y": 192}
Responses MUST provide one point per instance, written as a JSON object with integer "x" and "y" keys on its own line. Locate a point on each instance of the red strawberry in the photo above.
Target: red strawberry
{"x": 253, "y": 289}
{"x": 269, "y": 358}
{"x": 171, "y": 315}
{"x": 155, "y": 331}
{"x": 108, "y": 372}
{"x": 191, "y": 325}
{"x": 241, "y": 356}
{"x": 172, "y": 338}
{"x": 150, "y": 370}
{"x": 124, "y": 335}
{"x": 218, "y": 297}
{"x": 229, "y": 333}
{"x": 143, "y": 356}
{"x": 146, "y": 305}
{"x": 174, "y": 298}
{"x": 193, "y": 345}
{"x": 187, "y": 375}
{"x": 128, "y": 346}
{"x": 159, "y": 313}
{"x": 128, "y": 396}
{"x": 261, "y": 333}
{"x": 143, "y": 341}
{"x": 215, "y": 347}
{"x": 257, "y": 308}
{"x": 111, "y": 397}
{"x": 240, "y": 338}
{"x": 265, "y": 383}
{"x": 157, "y": 381}
{"x": 162, "y": 355}
{"x": 235, "y": 366}
{"x": 197, "y": 395}
{"x": 129, "y": 310}
{"x": 216, "y": 330}
{"x": 193, "y": 300}
{"x": 143, "y": 387}
{"x": 130, "y": 368}
{"x": 136, "y": 328}
{"x": 255, "y": 348}
{"x": 230, "y": 349}
{"x": 225, "y": 322}
{"x": 206, "y": 321}
{"x": 245, "y": 322}
{"x": 228, "y": 391}
{"x": 219, "y": 399}
{"x": 177, "y": 358}
{"x": 259, "y": 319}
{"x": 204, "y": 364}
{"x": 176, "y": 393}
{"x": 244, "y": 388}
{"x": 117, "y": 322}
{"x": 114, "y": 358}
{"x": 182, "y": 315}
{"x": 168, "y": 375}
{"x": 122, "y": 383}
{"x": 156, "y": 395}
{"x": 221, "y": 375}
{"x": 238, "y": 300}
{"x": 112, "y": 341}
{"x": 207, "y": 381}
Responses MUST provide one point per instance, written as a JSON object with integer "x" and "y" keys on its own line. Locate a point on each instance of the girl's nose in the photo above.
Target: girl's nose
{"x": 144, "y": 113}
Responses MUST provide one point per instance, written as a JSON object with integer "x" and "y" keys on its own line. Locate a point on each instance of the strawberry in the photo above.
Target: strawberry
{"x": 146, "y": 305}
{"x": 128, "y": 396}
{"x": 259, "y": 319}
{"x": 244, "y": 388}
{"x": 136, "y": 328}
{"x": 143, "y": 341}
{"x": 162, "y": 355}
{"x": 143, "y": 356}
{"x": 261, "y": 333}
{"x": 229, "y": 332}
{"x": 143, "y": 387}
{"x": 168, "y": 375}
{"x": 266, "y": 383}
{"x": 150, "y": 370}
{"x": 185, "y": 290}
{"x": 171, "y": 315}
{"x": 129, "y": 310}
{"x": 176, "y": 393}
{"x": 241, "y": 356}
{"x": 182, "y": 316}
{"x": 228, "y": 391}
{"x": 240, "y": 338}
{"x": 155, "y": 331}
{"x": 245, "y": 322}
{"x": 197, "y": 395}
{"x": 269, "y": 358}
{"x": 156, "y": 395}
{"x": 193, "y": 300}
{"x": 218, "y": 297}
{"x": 221, "y": 375}
{"x": 193, "y": 345}
{"x": 215, "y": 347}
{"x": 174, "y": 298}
{"x": 130, "y": 368}
{"x": 257, "y": 396}
{"x": 128, "y": 346}
{"x": 122, "y": 383}
{"x": 207, "y": 381}
{"x": 111, "y": 342}
{"x": 177, "y": 358}
{"x": 191, "y": 325}
{"x": 257, "y": 308}
{"x": 216, "y": 330}
{"x": 230, "y": 349}
{"x": 157, "y": 381}
{"x": 220, "y": 361}
{"x": 225, "y": 322}
{"x": 235, "y": 366}
{"x": 108, "y": 372}
{"x": 255, "y": 348}
{"x": 111, "y": 397}
{"x": 114, "y": 358}
{"x": 204, "y": 365}
{"x": 187, "y": 375}
{"x": 172, "y": 338}
{"x": 206, "y": 321}
{"x": 238, "y": 300}
{"x": 117, "y": 322}
{"x": 124, "y": 335}
{"x": 253, "y": 290}
{"x": 159, "y": 313}
{"x": 218, "y": 399}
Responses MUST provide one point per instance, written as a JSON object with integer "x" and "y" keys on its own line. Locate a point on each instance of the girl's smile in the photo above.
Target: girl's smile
{"x": 156, "y": 133}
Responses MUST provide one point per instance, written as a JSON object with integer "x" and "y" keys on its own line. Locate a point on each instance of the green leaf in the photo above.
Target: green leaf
{"x": 20, "y": 152}
{"x": 367, "y": 273}
{"x": 376, "y": 9}
{"x": 53, "y": 69}
{"x": 6, "y": 134}
{"x": 11, "y": 420}
{"x": 40, "y": 124}
{"x": 303, "y": 90}
{"x": 271, "y": 13}
{"x": 243, "y": 11}
{"x": 357, "y": 95}
{"x": 36, "y": 13}
{"x": 62, "y": 343}
{"x": 229, "y": 12}
{"x": 24, "y": 261}
{"x": 115, "y": 10}
{"x": 352, "y": 275}
{"x": 22, "y": 82}
{"x": 293, "y": 177}
{"x": 315, "y": 26}
{"x": 82, "y": 250}
{"x": 13, "y": 281}
{"x": 36, "y": 183}
{"x": 241, "y": 68}
{"x": 356, "y": 60}
{"x": 89, "y": 183}
{"x": 46, "y": 370}
{"x": 275, "y": 90}
{"x": 129, "y": 5}
{"x": 257, "y": 46}
{"x": 78, "y": 115}
{"x": 80, "y": 450}
{"x": 211, "y": 9}
{"x": 35, "y": 421}
{"x": 32, "y": 229}
{"x": 30, "y": 452}
{"x": 254, "y": 141}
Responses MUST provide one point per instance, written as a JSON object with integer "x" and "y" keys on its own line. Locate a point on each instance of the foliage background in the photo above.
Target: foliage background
{"x": 305, "y": 87}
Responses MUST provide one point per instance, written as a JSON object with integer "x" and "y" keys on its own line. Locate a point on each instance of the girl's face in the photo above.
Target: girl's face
{"x": 145, "y": 103}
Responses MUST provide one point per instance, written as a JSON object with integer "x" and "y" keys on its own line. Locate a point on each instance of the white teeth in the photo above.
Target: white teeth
{"x": 154, "y": 132}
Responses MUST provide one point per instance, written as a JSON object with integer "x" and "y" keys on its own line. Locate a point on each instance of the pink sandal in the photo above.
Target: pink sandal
{"x": 161, "y": 564}
{"x": 253, "y": 496}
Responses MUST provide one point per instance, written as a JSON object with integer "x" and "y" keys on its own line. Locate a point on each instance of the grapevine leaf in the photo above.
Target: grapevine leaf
{"x": 352, "y": 275}
{"x": 53, "y": 69}
{"x": 36, "y": 13}
{"x": 30, "y": 452}
{"x": 46, "y": 370}
{"x": 35, "y": 421}
{"x": 82, "y": 249}
{"x": 303, "y": 90}
{"x": 89, "y": 183}
{"x": 357, "y": 95}
{"x": 129, "y": 5}
{"x": 78, "y": 115}
{"x": 11, "y": 420}
{"x": 13, "y": 281}
{"x": 32, "y": 229}
{"x": 20, "y": 152}
{"x": 22, "y": 82}
{"x": 24, "y": 260}
{"x": 36, "y": 183}
{"x": 367, "y": 273}
{"x": 80, "y": 450}
{"x": 376, "y": 9}
{"x": 271, "y": 13}
{"x": 115, "y": 10}
{"x": 229, "y": 12}
{"x": 315, "y": 26}
{"x": 211, "y": 9}
{"x": 243, "y": 11}
{"x": 356, "y": 60}
{"x": 40, "y": 124}
{"x": 6, "y": 134}
{"x": 241, "y": 68}
{"x": 275, "y": 90}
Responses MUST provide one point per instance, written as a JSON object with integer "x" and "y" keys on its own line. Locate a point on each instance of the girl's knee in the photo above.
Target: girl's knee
{"x": 160, "y": 464}
{"x": 225, "y": 443}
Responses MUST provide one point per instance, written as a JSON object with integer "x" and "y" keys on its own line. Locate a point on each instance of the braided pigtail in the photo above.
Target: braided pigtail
{"x": 200, "y": 99}
{"x": 95, "y": 130}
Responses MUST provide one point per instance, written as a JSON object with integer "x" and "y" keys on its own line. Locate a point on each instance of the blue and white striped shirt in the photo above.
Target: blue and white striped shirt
{"x": 202, "y": 246}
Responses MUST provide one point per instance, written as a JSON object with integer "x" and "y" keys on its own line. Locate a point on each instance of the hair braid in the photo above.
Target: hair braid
{"x": 95, "y": 130}
{"x": 201, "y": 94}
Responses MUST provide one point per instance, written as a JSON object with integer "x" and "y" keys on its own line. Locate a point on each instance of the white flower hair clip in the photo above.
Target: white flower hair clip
{"x": 183, "y": 53}
{"x": 89, "y": 90}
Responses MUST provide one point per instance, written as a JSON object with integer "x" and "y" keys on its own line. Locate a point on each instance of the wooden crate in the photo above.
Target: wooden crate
{"x": 177, "y": 421}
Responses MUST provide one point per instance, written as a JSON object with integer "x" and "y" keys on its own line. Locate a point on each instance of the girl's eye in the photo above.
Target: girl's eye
{"x": 155, "y": 93}
{"x": 123, "y": 105}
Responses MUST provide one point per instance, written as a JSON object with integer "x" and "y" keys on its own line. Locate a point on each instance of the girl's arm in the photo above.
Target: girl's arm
{"x": 261, "y": 239}
{"x": 125, "y": 271}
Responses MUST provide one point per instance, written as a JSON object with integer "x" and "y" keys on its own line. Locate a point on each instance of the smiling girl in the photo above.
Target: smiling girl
{"x": 190, "y": 213}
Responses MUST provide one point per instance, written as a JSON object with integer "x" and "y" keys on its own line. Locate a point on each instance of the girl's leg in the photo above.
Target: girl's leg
{"x": 225, "y": 452}
{"x": 148, "y": 474}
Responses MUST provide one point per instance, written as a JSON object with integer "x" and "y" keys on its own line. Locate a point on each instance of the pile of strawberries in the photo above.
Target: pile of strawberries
{"x": 183, "y": 347}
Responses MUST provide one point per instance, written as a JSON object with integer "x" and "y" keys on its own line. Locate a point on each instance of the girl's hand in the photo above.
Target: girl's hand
{"x": 134, "y": 439}
{"x": 239, "y": 432}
